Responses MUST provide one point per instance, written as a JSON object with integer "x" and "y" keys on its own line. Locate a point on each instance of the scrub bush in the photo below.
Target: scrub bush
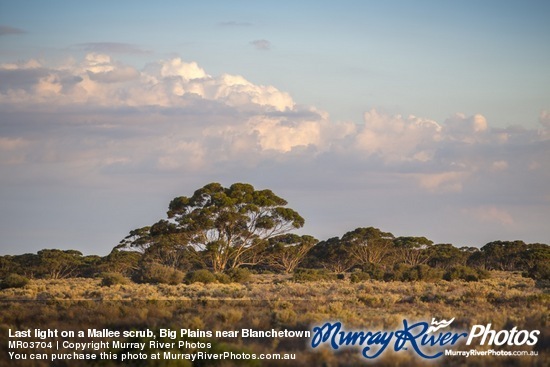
{"x": 312, "y": 275}
{"x": 14, "y": 281}
{"x": 200, "y": 276}
{"x": 154, "y": 273}
{"x": 239, "y": 275}
{"x": 111, "y": 278}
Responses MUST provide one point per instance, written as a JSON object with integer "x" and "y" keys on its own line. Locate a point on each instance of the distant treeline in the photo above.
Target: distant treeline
{"x": 383, "y": 258}
{"x": 220, "y": 234}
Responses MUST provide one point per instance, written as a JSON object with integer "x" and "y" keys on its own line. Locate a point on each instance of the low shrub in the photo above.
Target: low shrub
{"x": 200, "y": 276}
{"x": 360, "y": 276}
{"x": 397, "y": 273}
{"x": 407, "y": 273}
{"x": 540, "y": 271}
{"x": 223, "y": 278}
{"x": 466, "y": 273}
{"x": 375, "y": 272}
{"x": 239, "y": 275}
{"x": 311, "y": 275}
{"x": 159, "y": 274}
{"x": 14, "y": 281}
{"x": 422, "y": 272}
{"x": 111, "y": 278}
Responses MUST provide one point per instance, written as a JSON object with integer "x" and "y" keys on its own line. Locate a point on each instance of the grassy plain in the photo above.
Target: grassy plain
{"x": 275, "y": 301}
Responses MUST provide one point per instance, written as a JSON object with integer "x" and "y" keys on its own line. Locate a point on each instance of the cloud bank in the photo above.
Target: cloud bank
{"x": 261, "y": 44}
{"x": 98, "y": 124}
{"x": 7, "y": 30}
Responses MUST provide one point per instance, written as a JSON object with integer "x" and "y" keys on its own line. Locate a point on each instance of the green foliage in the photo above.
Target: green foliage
{"x": 7, "y": 265}
{"x": 406, "y": 273}
{"x": 232, "y": 224}
{"x": 536, "y": 261}
{"x": 466, "y": 273}
{"x": 222, "y": 278}
{"x": 359, "y": 276}
{"x": 368, "y": 245}
{"x": 445, "y": 256}
{"x": 374, "y": 271}
{"x": 56, "y": 264}
{"x": 111, "y": 278}
{"x": 227, "y": 227}
{"x": 123, "y": 262}
{"x": 540, "y": 271}
{"x": 200, "y": 276}
{"x": 173, "y": 250}
{"x": 90, "y": 266}
{"x": 286, "y": 252}
{"x": 331, "y": 254}
{"x": 312, "y": 275}
{"x": 412, "y": 250}
{"x": 500, "y": 255}
{"x": 158, "y": 274}
{"x": 423, "y": 273}
{"x": 239, "y": 275}
{"x": 14, "y": 281}
{"x": 397, "y": 273}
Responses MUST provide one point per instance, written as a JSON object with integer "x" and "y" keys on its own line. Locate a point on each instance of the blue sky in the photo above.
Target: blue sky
{"x": 420, "y": 118}
{"x": 407, "y": 57}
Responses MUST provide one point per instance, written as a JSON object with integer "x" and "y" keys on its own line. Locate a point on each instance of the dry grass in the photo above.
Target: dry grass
{"x": 505, "y": 300}
{"x": 499, "y": 300}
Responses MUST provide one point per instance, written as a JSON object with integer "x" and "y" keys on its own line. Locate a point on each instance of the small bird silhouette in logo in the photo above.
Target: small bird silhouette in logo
{"x": 439, "y": 325}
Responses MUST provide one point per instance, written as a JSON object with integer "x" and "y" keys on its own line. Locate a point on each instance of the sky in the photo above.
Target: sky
{"x": 425, "y": 118}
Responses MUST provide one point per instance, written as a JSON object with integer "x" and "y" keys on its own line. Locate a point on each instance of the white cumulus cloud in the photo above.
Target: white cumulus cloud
{"x": 99, "y": 80}
{"x": 98, "y": 123}
{"x": 398, "y": 138}
{"x": 189, "y": 118}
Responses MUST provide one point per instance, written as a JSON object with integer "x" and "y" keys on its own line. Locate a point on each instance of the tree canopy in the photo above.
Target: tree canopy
{"x": 230, "y": 225}
{"x": 226, "y": 229}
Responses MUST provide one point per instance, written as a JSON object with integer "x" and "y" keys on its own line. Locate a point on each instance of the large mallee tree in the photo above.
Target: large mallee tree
{"x": 231, "y": 226}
